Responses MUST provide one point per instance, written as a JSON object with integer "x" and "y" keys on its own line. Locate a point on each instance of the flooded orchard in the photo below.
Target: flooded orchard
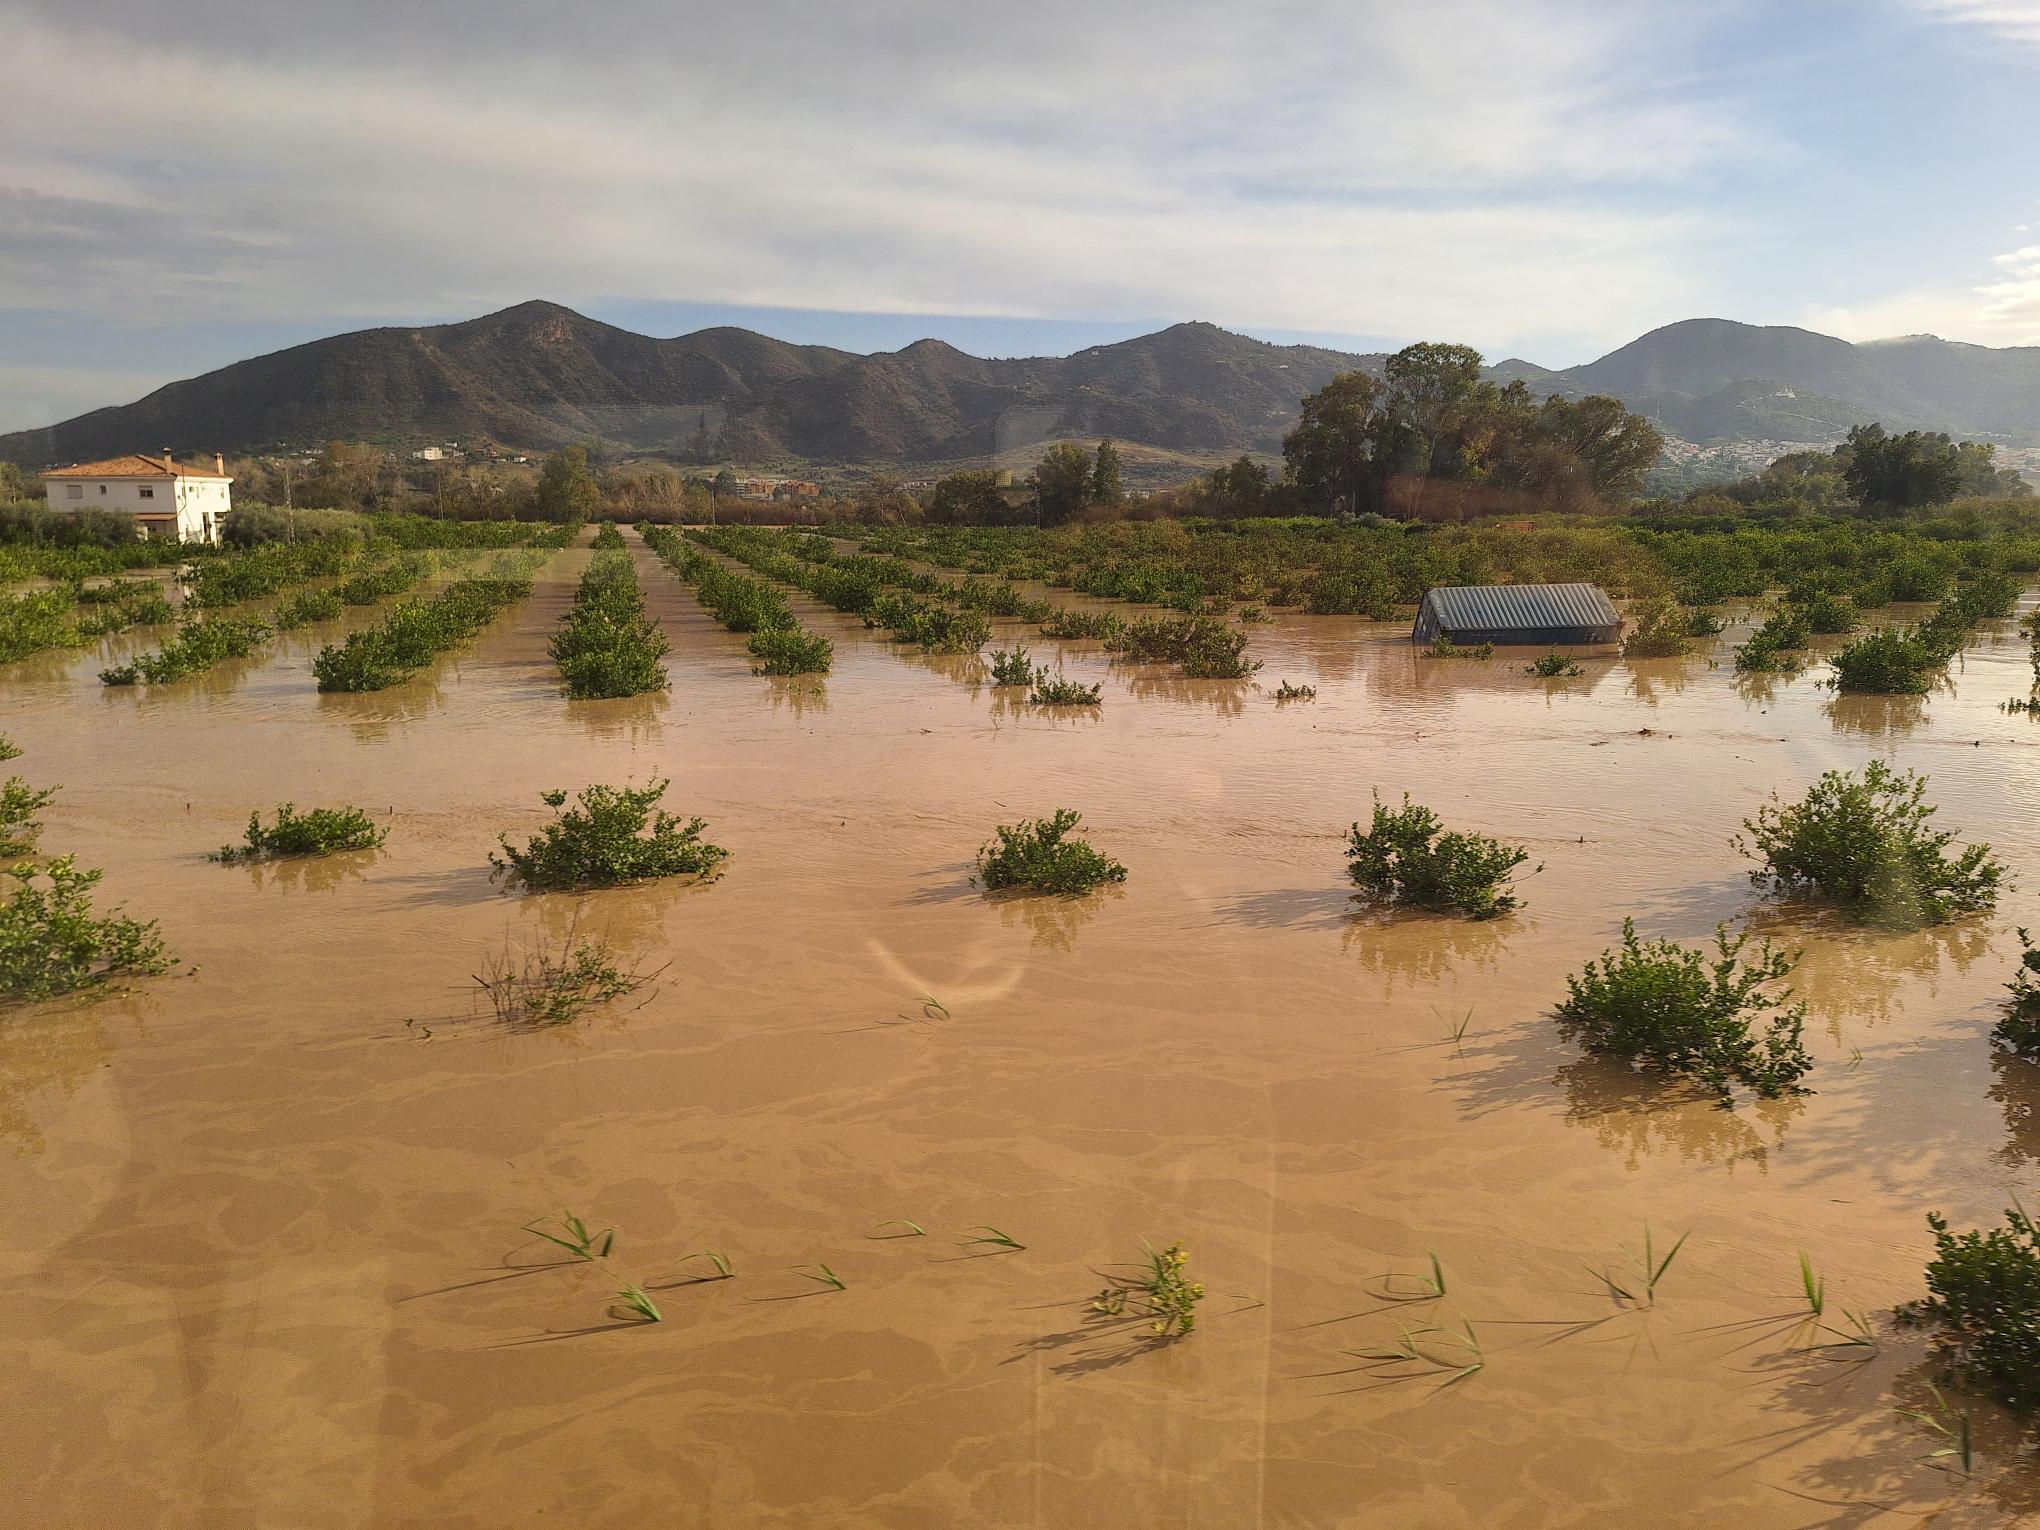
{"x": 265, "y": 1262}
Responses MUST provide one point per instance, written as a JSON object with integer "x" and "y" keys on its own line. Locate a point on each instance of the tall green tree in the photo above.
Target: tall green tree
{"x": 1980, "y": 474}
{"x": 1238, "y": 488}
{"x": 1107, "y": 488}
{"x": 1888, "y": 472}
{"x": 1329, "y": 456}
{"x": 1613, "y": 447}
{"x": 966, "y": 499}
{"x": 1062, "y": 482}
{"x": 566, "y": 489}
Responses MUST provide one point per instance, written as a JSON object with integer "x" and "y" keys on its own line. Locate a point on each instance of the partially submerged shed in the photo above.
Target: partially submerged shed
{"x": 1541, "y": 614}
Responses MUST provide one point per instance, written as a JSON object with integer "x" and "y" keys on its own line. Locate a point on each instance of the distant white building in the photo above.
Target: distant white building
{"x": 430, "y": 453}
{"x": 168, "y": 498}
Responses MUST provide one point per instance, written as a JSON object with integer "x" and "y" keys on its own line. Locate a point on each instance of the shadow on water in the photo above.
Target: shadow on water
{"x": 798, "y": 694}
{"x": 1054, "y": 922}
{"x": 1634, "y": 1113}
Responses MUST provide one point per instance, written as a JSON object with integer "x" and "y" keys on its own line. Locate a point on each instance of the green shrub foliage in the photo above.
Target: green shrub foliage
{"x": 322, "y": 831}
{"x": 607, "y": 646}
{"x": 198, "y": 646}
{"x": 614, "y": 835}
{"x": 1869, "y": 845}
{"x": 1038, "y": 854}
{"x": 1984, "y": 1298}
{"x": 2019, "y": 1028}
{"x": 1668, "y": 1007}
{"x": 1407, "y": 856}
{"x": 791, "y": 651}
{"x": 19, "y": 805}
{"x": 413, "y": 633}
{"x": 1661, "y": 629}
{"x": 51, "y": 941}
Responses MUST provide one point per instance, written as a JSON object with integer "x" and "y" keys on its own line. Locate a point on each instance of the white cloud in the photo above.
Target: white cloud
{"x": 1463, "y": 168}
{"x": 2003, "y": 310}
{"x": 2015, "y": 21}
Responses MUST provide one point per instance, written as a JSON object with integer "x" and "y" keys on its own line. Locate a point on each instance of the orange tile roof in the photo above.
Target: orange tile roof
{"x": 134, "y": 465}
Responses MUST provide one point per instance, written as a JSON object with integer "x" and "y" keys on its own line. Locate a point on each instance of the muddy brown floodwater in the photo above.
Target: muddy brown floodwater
{"x": 262, "y": 1262}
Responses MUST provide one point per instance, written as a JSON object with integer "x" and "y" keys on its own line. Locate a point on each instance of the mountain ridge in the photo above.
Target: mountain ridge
{"x": 539, "y": 374}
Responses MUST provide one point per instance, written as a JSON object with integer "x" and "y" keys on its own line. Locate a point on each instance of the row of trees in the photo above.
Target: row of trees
{"x": 1873, "y": 472}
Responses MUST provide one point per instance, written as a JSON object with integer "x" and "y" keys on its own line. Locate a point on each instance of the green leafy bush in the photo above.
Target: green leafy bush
{"x": 1829, "y": 613}
{"x": 1442, "y": 647}
{"x": 1038, "y": 854}
{"x": 377, "y": 584}
{"x": 1869, "y": 846}
{"x": 1770, "y": 646}
{"x": 608, "y": 537}
{"x": 34, "y": 622}
{"x": 1071, "y": 625}
{"x": 322, "y": 831}
{"x": 1056, "y": 691}
{"x": 19, "y": 803}
{"x": 1287, "y": 692}
{"x": 1665, "y": 1006}
{"x": 1553, "y": 666}
{"x": 51, "y": 941}
{"x": 1893, "y": 661}
{"x": 413, "y": 633}
{"x": 616, "y": 835}
{"x": 1985, "y": 1301}
{"x": 607, "y": 646}
{"x": 1660, "y": 631}
{"x": 198, "y": 646}
{"x": 2019, "y": 1028}
{"x": 309, "y": 606}
{"x": 1407, "y": 856}
{"x": 792, "y": 651}
{"x": 1015, "y": 668}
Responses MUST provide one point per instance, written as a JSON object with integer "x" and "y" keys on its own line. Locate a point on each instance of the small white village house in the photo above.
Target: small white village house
{"x": 167, "y": 498}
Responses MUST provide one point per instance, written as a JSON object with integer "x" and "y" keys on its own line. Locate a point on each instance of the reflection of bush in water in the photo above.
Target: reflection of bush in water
{"x": 1228, "y": 698}
{"x": 1056, "y": 921}
{"x": 2015, "y": 1086}
{"x": 798, "y": 694}
{"x": 1423, "y": 948}
{"x": 371, "y": 714}
{"x": 55, "y": 1048}
{"x": 620, "y": 719}
{"x": 1665, "y": 678}
{"x": 310, "y": 874}
{"x": 1847, "y": 972}
{"x": 630, "y": 918}
{"x": 1877, "y": 717}
{"x": 1640, "y": 1118}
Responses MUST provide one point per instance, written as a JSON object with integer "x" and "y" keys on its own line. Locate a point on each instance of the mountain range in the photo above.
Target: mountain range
{"x": 540, "y": 375}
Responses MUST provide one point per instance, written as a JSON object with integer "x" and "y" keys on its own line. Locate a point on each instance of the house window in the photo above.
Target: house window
{"x": 102, "y": 488}
{"x": 74, "y": 491}
{"x": 146, "y": 493}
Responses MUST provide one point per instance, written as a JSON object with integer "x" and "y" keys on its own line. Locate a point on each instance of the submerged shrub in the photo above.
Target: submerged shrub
{"x": 31, "y": 623}
{"x": 1406, "y": 856}
{"x": 1770, "y": 646}
{"x": 1985, "y": 1301}
{"x": 1868, "y": 845}
{"x": 1829, "y": 613}
{"x": 19, "y": 803}
{"x": 413, "y": 633}
{"x": 616, "y": 835}
{"x": 1553, "y": 666}
{"x": 52, "y": 943}
{"x": 2019, "y": 1028}
{"x": 1162, "y": 1293}
{"x": 1038, "y": 854}
{"x": 1068, "y": 625}
{"x": 607, "y": 646}
{"x": 1671, "y": 1008}
{"x": 1893, "y": 661}
{"x": 791, "y": 651}
{"x": 306, "y": 607}
{"x": 547, "y": 988}
{"x": 197, "y": 647}
{"x": 1662, "y": 627}
{"x": 1442, "y": 647}
{"x": 1015, "y": 668}
{"x": 1287, "y": 692}
{"x": 322, "y": 831}
{"x": 1055, "y": 691}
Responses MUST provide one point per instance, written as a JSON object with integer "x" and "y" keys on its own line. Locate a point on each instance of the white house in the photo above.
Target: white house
{"x": 167, "y": 498}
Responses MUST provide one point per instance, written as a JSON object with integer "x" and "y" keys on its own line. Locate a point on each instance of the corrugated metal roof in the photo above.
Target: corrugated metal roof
{"x": 1503, "y": 608}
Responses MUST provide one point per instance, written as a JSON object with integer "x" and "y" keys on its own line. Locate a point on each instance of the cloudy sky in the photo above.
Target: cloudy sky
{"x": 183, "y": 184}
